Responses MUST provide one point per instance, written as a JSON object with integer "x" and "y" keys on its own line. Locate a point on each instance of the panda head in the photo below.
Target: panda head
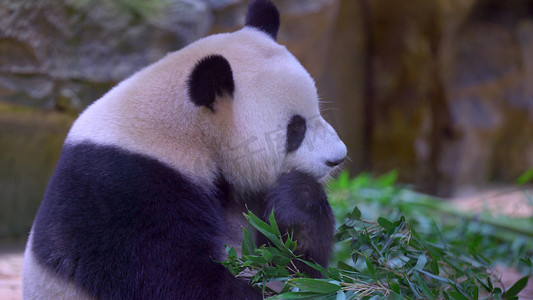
{"x": 260, "y": 107}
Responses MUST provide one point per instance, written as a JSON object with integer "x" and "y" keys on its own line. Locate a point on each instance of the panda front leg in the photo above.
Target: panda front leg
{"x": 301, "y": 207}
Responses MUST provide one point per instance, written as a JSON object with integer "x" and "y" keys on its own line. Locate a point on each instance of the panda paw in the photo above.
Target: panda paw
{"x": 298, "y": 198}
{"x": 301, "y": 206}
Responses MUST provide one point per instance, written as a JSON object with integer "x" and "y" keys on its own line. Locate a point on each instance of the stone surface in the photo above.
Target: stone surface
{"x": 76, "y": 50}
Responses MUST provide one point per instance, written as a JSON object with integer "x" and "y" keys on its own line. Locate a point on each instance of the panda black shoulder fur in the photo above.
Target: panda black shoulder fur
{"x": 154, "y": 176}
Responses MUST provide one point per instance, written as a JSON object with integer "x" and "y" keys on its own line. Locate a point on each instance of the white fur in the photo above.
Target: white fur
{"x": 40, "y": 284}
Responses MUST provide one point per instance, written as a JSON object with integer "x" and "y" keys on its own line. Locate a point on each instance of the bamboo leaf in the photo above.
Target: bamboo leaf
{"x": 248, "y": 243}
{"x": 388, "y": 225}
{"x": 526, "y": 177}
{"x": 425, "y": 289}
{"x": 516, "y": 288}
{"x": 315, "y": 285}
{"x": 421, "y": 262}
{"x": 265, "y": 229}
{"x": 387, "y": 179}
{"x": 340, "y": 296}
{"x": 297, "y": 295}
{"x": 370, "y": 266}
{"x": 273, "y": 223}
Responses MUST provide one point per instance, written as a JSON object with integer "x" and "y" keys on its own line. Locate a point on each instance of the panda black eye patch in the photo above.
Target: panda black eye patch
{"x": 295, "y": 133}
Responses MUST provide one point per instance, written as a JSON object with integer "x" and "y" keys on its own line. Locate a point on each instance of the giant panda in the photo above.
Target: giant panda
{"x": 154, "y": 176}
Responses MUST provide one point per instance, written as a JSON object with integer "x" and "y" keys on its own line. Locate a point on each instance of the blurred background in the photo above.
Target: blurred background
{"x": 439, "y": 90}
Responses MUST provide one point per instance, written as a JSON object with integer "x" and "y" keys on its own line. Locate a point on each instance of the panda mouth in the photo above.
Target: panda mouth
{"x": 331, "y": 174}
{"x": 322, "y": 174}
{"x": 324, "y": 177}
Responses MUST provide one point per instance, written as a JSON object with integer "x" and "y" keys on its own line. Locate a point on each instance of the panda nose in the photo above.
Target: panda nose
{"x": 334, "y": 163}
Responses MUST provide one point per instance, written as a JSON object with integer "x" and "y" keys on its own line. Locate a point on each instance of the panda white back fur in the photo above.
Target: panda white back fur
{"x": 154, "y": 176}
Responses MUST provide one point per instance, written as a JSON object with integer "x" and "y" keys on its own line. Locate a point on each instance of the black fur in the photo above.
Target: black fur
{"x": 295, "y": 133}
{"x": 301, "y": 206}
{"x": 125, "y": 226}
{"x": 211, "y": 77}
{"x": 263, "y": 15}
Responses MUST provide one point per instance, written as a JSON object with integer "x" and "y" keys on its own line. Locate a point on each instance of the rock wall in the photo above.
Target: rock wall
{"x": 65, "y": 54}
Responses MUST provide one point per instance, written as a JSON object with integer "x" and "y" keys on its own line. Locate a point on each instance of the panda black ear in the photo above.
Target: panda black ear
{"x": 263, "y": 15}
{"x": 211, "y": 77}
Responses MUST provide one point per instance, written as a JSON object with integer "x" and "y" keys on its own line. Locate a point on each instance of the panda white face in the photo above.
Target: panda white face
{"x": 273, "y": 122}
{"x": 320, "y": 150}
